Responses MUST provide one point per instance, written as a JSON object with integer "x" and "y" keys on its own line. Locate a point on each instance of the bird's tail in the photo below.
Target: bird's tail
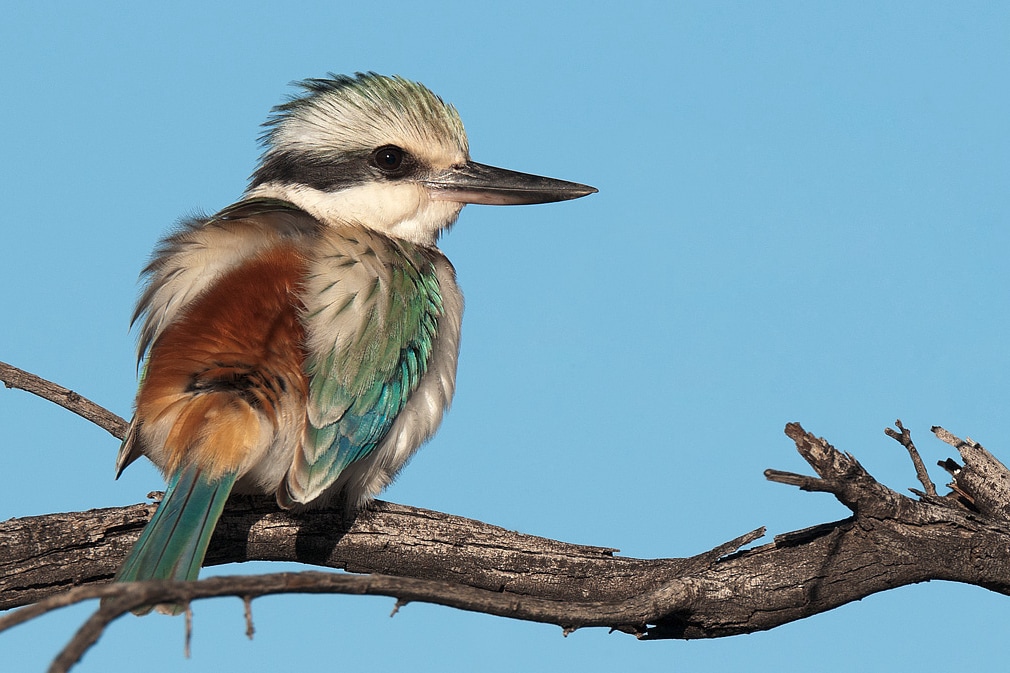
{"x": 175, "y": 541}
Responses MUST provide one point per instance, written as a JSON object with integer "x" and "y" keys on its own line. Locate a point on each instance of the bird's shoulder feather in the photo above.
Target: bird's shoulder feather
{"x": 202, "y": 249}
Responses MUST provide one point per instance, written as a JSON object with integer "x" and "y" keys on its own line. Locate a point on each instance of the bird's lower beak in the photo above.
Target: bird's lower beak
{"x": 477, "y": 183}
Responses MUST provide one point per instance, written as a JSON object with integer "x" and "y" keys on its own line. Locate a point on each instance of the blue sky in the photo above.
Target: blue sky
{"x": 803, "y": 216}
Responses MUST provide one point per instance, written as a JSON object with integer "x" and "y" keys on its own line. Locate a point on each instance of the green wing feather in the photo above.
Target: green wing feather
{"x": 373, "y": 306}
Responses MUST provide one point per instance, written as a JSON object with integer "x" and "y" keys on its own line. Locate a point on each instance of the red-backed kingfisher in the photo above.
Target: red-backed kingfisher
{"x": 303, "y": 341}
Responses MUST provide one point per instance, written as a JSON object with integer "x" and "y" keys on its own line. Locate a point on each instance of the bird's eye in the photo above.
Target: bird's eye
{"x": 388, "y": 159}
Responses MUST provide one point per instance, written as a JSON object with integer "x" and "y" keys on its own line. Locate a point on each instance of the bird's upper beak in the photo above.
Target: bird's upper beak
{"x": 478, "y": 183}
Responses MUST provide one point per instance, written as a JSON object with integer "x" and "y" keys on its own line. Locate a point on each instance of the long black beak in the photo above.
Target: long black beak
{"x": 478, "y": 183}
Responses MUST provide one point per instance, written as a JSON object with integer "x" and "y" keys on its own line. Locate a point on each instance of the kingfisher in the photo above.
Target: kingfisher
{"x": 303, "y": 341}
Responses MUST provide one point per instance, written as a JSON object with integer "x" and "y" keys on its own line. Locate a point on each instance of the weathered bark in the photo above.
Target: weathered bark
{"x": 890, "y": 540}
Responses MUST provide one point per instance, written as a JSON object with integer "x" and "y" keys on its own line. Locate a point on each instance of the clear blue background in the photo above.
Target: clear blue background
{"x": 803, "y": 216}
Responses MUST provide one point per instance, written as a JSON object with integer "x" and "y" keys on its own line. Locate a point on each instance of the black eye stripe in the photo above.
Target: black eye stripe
{"x": 329, "y": 174}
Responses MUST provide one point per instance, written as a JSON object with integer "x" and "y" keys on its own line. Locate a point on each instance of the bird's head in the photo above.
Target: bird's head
{"x": 385, "y": 153}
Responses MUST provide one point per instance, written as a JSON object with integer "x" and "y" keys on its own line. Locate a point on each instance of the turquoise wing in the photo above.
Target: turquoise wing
{"x": 372, "y": 312}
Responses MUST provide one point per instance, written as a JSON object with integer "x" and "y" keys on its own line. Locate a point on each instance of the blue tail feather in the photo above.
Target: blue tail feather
{"x": 174, "y": 543}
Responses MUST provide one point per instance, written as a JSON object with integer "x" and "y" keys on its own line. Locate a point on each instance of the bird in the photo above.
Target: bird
{"x": 303, "y": 341}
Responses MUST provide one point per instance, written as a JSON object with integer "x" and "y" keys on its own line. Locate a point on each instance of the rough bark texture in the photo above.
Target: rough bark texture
{"x": 890, "y": 540}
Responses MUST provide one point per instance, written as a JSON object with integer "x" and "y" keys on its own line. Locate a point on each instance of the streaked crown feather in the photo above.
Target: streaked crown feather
{"x": 343, "y": 113}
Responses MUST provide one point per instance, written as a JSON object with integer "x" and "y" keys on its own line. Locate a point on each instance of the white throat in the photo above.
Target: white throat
{"x": 399, "y": 209}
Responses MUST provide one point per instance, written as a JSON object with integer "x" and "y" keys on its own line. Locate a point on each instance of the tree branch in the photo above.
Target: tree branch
{"x": 419, "y": 555}
{"x": 891, "y": 540}
{"x": 13, "y": 377}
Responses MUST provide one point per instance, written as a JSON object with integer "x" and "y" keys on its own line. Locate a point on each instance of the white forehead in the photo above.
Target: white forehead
{"x": 345, "y": 114}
